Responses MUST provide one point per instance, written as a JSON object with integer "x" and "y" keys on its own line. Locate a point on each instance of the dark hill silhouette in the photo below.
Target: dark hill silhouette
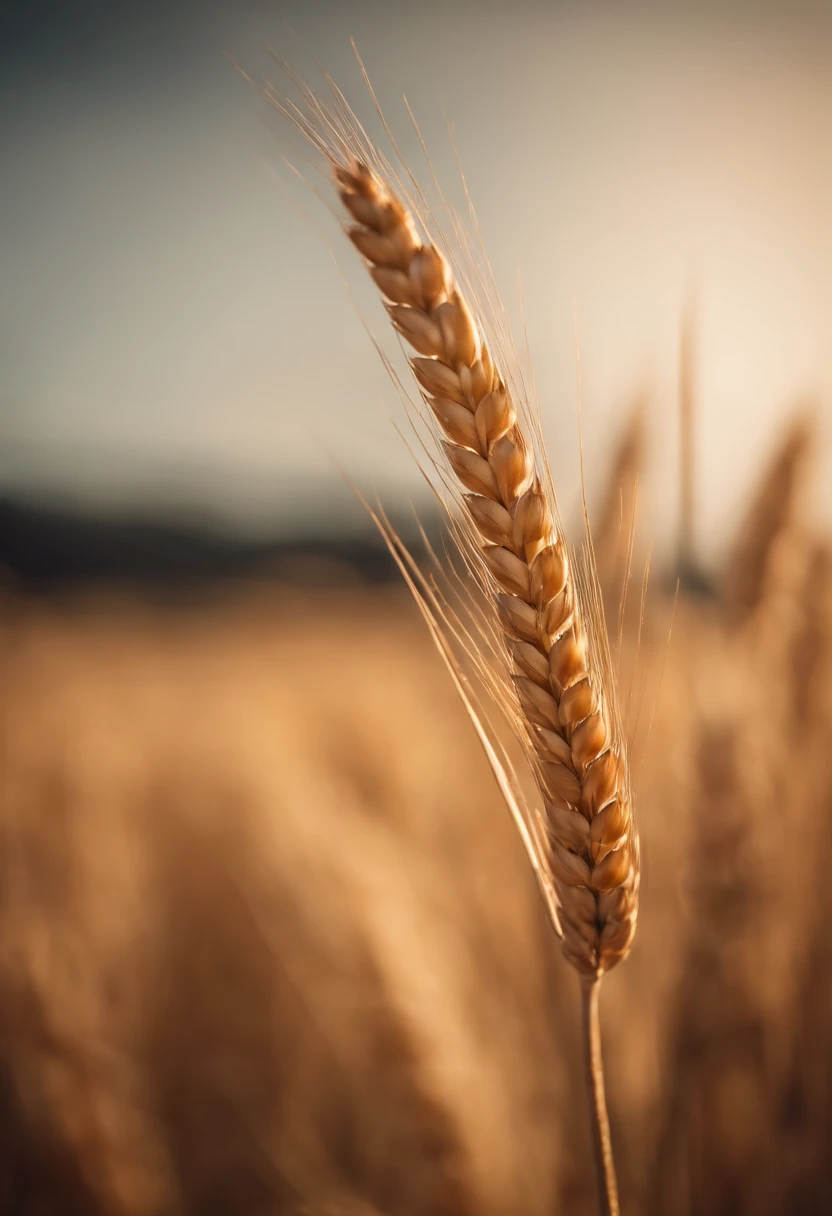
{"x": 44, "y": 548}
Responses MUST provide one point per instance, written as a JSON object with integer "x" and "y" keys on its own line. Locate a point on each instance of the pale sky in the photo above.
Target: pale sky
{"x": 173, "y": 329}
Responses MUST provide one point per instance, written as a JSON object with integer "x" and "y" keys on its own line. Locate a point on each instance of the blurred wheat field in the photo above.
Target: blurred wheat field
{"x": 270, "y": 943}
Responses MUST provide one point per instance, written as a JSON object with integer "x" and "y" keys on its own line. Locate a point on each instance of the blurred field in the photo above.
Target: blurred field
{"x": 269, "y": 943}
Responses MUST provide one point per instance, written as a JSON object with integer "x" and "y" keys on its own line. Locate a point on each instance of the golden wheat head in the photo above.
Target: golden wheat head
{"x": 566, "y": 712}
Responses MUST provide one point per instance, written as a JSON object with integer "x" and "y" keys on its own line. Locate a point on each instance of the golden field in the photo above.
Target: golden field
{"x": 270, "y": 943}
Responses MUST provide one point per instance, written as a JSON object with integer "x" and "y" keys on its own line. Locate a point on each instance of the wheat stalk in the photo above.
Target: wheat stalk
{"x": 547, "y": 606}
{"x": 771, "y": 547}
{"x": 566, "y": 712}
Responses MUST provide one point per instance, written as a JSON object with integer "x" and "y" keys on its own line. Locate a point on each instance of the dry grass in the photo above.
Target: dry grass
{"x": 180, "y": 798}
{"x": 270, "y": 942}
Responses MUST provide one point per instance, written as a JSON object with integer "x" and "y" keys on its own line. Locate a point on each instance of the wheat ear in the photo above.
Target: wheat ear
{"x": 577, "y": 751}
{"x": 566, "y": 714}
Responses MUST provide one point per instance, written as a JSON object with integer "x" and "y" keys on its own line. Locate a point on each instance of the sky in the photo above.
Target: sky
{"x": 175, "y": 333}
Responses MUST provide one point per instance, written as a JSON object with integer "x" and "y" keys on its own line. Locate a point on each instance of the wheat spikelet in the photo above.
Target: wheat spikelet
{"x": 566, "y": 708}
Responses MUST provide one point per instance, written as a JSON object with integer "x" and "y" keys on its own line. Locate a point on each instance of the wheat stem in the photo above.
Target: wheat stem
{"x": 542, "y": 606}
{"x": 594, "y": 1071}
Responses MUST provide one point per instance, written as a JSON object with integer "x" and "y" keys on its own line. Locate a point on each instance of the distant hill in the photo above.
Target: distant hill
{"x": 43, "y": 548}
